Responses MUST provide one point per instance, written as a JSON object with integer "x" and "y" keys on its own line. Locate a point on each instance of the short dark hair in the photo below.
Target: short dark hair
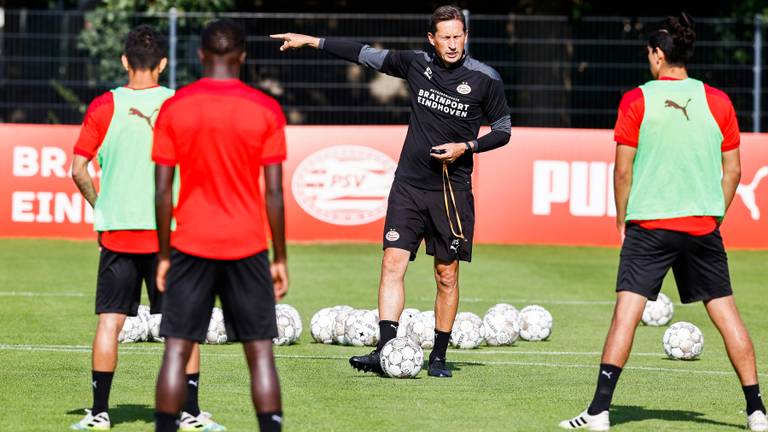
{"x": 675, "y": 37}
{"x": 144, "y": 47}
{"x": 446, "y": 13}
{"x": 223, "y": 36}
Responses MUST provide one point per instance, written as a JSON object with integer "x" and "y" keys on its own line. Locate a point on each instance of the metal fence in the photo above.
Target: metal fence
{"x": 557, "y": 72}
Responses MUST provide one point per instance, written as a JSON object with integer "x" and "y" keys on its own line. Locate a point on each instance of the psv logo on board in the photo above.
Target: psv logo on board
{"x": 344, "y": 185}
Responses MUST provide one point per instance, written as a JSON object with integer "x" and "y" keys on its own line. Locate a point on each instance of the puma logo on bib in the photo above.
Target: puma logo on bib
{"x": 672, "y": 104}
{"x": 148, "y": 118}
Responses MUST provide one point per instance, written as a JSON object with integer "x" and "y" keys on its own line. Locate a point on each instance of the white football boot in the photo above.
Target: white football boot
{"x": 597, "y": 422}
{"x": 757, "y": 422}
{"x": 203, "y": 422}
{"x": 98, "y": 422}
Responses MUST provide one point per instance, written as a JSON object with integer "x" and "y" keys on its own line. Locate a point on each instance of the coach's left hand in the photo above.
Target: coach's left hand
{"x": 453, "y": 151}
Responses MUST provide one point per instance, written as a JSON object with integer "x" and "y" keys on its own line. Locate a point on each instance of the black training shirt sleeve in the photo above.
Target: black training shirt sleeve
{"x": 396, "y": 63}
{"x": 342, "y": 48}
{"x": 497, "y": 112}
{"x": 390, "y": 62}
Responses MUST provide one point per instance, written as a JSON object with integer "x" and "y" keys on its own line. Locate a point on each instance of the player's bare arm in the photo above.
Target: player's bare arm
{"x": 273, "y": 175}
{"x": 731, "y": 175}
{"x": 163, "y": 214}
{"x": 622, "y": 181}
{"x": 83, "y": 179}
{"x": 295, "y": 40}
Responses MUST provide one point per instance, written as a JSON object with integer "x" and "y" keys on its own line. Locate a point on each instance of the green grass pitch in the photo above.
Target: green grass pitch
{"x": 47, "y": 322}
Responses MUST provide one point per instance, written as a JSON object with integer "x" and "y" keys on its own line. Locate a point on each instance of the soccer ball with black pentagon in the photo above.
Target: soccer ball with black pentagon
{"x": 361, "y": 328}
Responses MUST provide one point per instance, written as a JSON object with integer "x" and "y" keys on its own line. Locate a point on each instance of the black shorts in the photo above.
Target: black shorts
{"x": 118, "y": 285}
{"x": 699, "y": 263}
{"x": 414, "y": 214}
{"x": 244, "y": 287}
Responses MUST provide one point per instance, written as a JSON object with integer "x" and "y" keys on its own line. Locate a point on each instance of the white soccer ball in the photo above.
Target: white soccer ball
{"x": 501, "y": 326}
{"x": 501, "y": 307}
{"x": 468, "y": 331}
{"x": 401, "y": 357}
{"x": 154, "y": 327}
{"x": 375, "y": 312}
{"x": 339, "y": 325}
{"x": 535, "y": 323}
{"x": 134, "y": 330}
{"x": 217, "y": 331}
{"x": 405, "y": 318}
{"x": 288, "y": 325}
{"x": 683, "y": 341}
{"x": 361, "y": 328}
{"x": 144, "y": 314}
{"x": 295, "y": 314}
{"x": 421, "y": 329}
{"x": 658, "y": 313}
{"x": 321, "y": 325}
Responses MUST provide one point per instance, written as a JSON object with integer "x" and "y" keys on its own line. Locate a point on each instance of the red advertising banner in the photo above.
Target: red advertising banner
{"x": 548, "y": 186}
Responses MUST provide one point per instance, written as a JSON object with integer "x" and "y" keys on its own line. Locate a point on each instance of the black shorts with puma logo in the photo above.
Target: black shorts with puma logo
{"x": 699, "y": 263}
{"x": 415, "y": 214}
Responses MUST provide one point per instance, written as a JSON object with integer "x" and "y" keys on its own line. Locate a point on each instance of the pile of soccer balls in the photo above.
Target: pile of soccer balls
{"x": 682, "y": 340}
{"x": 145, "y": 327}
{"x": 501, "y": 326}
{"x": 345, "y": 325}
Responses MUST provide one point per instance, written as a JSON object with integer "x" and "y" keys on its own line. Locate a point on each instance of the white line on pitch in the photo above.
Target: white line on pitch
{"x": 40, "y": 294}
{"x": 158, "y": 348}
{"x": 549, "y": 353}
{"x": 153, "y": 351}
{"x": 543, "y": 301}
{"x": 528, "y": 301}
{"x": 581, "y": 366}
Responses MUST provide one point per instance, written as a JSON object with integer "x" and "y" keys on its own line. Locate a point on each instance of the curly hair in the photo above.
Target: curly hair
{"x": 675, "y": 37}
{"x": 144, "y": 47}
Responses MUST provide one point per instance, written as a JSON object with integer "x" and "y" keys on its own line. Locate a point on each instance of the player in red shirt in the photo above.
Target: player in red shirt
{"x": 677, "y": 170}
{"x": 220, "y": 132}
{"x": 128, "y": 255}
{"x": 627, "y": 133}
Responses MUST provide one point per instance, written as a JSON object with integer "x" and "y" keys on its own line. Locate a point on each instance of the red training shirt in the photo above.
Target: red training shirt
{"x": 220, "y": 133}
{"x": 627, "y": 132}
{"x": 94, "y": 129}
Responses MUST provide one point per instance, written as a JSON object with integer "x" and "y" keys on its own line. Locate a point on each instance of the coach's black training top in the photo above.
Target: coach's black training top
{"x": 447, "y": 106}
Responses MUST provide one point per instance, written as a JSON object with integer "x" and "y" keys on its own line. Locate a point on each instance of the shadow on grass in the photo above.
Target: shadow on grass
{"x": 453, "y": 366}
{"x": 125, "y": 413}
{"x": 625, "y": 414}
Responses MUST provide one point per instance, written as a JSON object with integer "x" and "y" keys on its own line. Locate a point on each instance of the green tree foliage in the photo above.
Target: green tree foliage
{"x": 107, "y": 24}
